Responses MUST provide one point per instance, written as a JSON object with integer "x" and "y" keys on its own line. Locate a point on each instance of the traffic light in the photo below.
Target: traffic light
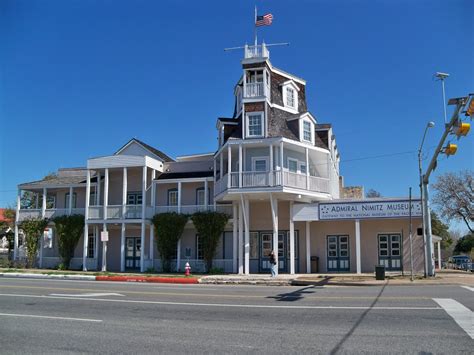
{"x": 462, "y": 129}
{"x": 450, "y": 149}
{"x": 470, "y": 109}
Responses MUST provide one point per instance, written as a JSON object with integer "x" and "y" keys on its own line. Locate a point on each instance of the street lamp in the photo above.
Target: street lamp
{"x": 430, "y": 124}
{"x": 442, "y": 77}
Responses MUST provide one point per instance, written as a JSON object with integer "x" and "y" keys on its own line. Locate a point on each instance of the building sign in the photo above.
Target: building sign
{"x": 369, "y": 209}
{"x": 104, "y": 236}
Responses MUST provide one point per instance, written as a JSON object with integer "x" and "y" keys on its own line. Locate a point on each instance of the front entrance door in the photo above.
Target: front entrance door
{"x": 390, "y": 251}
{"x": 267, "y": 246}
{"x": 338, "y": 253}
{"x": 132, "y": 253}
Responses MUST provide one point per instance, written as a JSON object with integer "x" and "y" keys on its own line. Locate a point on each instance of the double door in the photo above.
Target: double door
{"x": 390, "y": 251}
{"x": 133, "y": 249}
{"x": 338, "y": 258}
{"x": 267, "y": 247}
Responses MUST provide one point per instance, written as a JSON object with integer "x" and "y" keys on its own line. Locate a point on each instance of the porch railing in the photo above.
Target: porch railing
{"x": 49, "y": 213}
{"x": 250, "y": 179}
{"x": 190, "y": 209}
{"x": 259, "y": 51}
{"x": 254, "y": 90}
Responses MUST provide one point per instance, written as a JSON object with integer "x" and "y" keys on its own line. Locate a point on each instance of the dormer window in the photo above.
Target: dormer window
{"x": 290, "y": 96}
{"x": 254, "y": 124}
{"x": 307, "y": 131}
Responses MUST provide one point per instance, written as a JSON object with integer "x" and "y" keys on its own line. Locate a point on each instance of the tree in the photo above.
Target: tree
{"x": 373, "y": 193}
{"x": 465, "y": 244}
{"x": 455, "y": 197}
{"x": 69, "y": 230}
{"x": 209, "y": 226}
{"x": 169, "y": 228}
{"x": 33, "y": 229}
{"x": 441, "y": 230}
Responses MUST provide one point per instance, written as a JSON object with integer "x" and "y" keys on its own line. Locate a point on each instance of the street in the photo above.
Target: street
{"x": 49, "y": 316}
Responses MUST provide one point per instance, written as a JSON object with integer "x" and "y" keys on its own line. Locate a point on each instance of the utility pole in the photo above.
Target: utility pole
{"x": 450, "y": 149}
{"x": 411, "y": 242}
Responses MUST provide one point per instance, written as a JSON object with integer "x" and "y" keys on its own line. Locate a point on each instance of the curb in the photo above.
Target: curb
{"x": 169, "y": 280}
{"x": 172, "y": 280}
{"x": 45, "y": 276}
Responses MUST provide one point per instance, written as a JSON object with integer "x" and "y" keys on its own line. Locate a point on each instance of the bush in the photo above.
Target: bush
{"x": 69, "y": 230}
{"x": 216, "y": 271}
{"x": 169, "y": 228}
{"x": 33, "y": 229}
{"x": 210, "y": 226}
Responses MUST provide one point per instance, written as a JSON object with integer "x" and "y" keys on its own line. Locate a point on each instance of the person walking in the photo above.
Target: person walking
{"x": 273, "y": 263}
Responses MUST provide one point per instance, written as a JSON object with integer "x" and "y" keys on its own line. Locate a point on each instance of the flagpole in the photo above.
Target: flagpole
{"x": 255, "y": 27}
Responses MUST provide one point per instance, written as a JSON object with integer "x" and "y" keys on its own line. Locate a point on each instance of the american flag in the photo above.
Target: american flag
{"x": 265, "y": 20}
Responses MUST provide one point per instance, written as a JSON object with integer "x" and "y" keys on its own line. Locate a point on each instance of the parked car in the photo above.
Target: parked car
{"x": 460, "y": 262}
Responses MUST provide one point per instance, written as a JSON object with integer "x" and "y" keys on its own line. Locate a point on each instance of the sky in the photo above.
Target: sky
{"x": 79, "y": 78}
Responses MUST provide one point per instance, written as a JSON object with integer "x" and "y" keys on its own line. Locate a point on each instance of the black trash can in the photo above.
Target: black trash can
{"x": 380, "y": 272}
{"x": 314, "y": 264}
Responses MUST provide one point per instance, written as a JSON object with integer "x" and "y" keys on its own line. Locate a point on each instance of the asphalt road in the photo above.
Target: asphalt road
{"x": 39, "y": 316}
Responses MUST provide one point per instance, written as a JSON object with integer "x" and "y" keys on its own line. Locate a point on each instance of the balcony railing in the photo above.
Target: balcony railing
{"x": 49, "y": 213}
{"x": 259, "y": 51}
{"x": 190, "y": 209}
{"x": 261, "y": 179}
{"x": 254, "y": 90}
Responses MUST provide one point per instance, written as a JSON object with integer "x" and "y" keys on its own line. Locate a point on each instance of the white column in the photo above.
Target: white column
{"x": 240, "y": 165}
{"x": 70, "y": 201}
{"x": 143, "y": 226}
{"x": 307, "y": 168}
{"x": 179, "y": 197}
{"x": 178, "y": 256}
{"x": 17, "y": 218}
{"x": 122, "y": 248}
{"x": 308, "y": 247}
{"x": 235, "y": 219}
{"x": 97, "y": 202}
{"x": 274, "y": 205}
{"x": 206, "y": 194}
{"x": 439, "y": 255}
{"x": 214, "y": 171}
{"x": 221, "y": 165}
{"x": 247, "y": 237}
{"x": 86, "y": 246}
{"x": 229, "y": 166}
{"x": 43, "y": 207}
{"x": 281, "y": 156}
{"x": 104, "y": 244}
{"x": 124, "y": 193}
{"x": 88, "y": 194}
{"x": 357, "y": 235}
{"x": 270, "y": 168}
{"x": 106, "y": 192}
{"x": 152, "y": 227}
{"x": 241, "y": 239}
{"x": 96, "y": 246}
{"x": 292, "y": 240}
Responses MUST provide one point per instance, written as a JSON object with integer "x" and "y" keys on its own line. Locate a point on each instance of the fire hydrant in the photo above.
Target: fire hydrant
{"x": 187, "y": 270}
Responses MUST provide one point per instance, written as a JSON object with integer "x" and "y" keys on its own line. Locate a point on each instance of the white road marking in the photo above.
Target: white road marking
{"x": 86, "y": 294}
{"x": 219, "y": 304}
{"x": 468, "y": 288}
{"x": 462, "y": 315}
{"x": 50, "y": 317}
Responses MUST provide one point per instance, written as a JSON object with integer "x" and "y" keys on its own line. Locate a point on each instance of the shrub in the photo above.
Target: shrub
{"x": 69, "y": 230}
{"x": 210, "y": 226}
{"x": 33, "y": 229}
{"x": 169, "y": 228}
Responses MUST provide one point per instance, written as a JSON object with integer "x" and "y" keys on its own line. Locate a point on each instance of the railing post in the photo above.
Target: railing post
{"x": 124, "y": 192}
{"x": 229, "y": 166}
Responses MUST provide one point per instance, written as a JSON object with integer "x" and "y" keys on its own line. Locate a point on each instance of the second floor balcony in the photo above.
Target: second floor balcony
{"x": 276, "y": 178}
{"x": 49, "y": 213}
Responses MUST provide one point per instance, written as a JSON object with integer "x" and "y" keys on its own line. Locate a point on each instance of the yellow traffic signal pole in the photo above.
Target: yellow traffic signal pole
{"x": 460, "y": 103}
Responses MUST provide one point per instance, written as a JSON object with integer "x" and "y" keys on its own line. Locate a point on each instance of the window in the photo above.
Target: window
{"x": 92, "y": 199}
{"x": 200, "y": 196}
{"x": 290, "y": 97}
{"x": 254, "y": 124}
{"x": 74, "y": 198}
{"x": 303, "y": 168}
{"x": 91, "y": 246}
{"x": 198, "y": 249}
{"x": 173, "y": 197}
{"x": 293, "y": 165}
{"x": 134, "y": 198}
{"x": 259, "y": 164}
{"x": 307, "y": 132}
